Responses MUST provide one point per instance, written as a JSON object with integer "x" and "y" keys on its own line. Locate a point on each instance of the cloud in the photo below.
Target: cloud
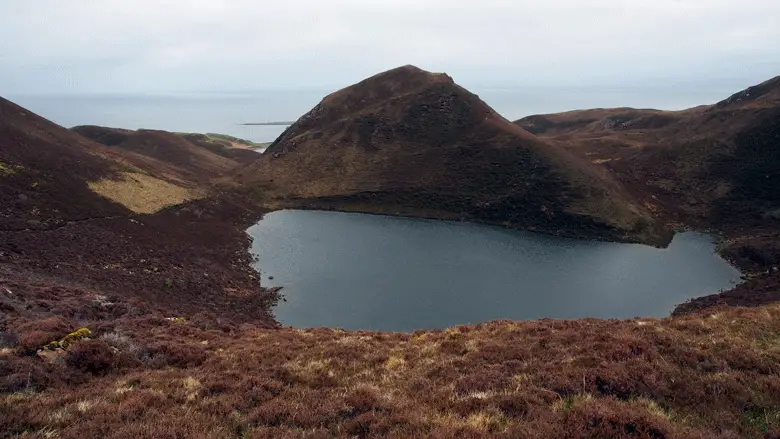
{"x": 167, "y": 45}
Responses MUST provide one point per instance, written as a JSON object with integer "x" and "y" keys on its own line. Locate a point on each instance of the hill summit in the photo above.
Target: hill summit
{"x": 411, "y": 142}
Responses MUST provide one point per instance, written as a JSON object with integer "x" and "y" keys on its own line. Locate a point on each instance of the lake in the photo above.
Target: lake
{"x": 358, "y": 271}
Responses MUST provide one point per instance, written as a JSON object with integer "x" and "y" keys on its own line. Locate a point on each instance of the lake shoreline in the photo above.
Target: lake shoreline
{"x": 286, "y": 282}
{"x": 405, "y": 212}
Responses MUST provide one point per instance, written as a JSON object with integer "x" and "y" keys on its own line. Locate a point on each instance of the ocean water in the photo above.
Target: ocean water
{"x": 225, "y": 112}
{"x": 373, "y": 272}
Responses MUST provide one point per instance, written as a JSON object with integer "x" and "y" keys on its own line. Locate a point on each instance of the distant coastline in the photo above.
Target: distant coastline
{"x": 267, "y": 124}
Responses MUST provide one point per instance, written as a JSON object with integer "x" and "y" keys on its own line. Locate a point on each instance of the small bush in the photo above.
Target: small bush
{"x": 129, "y": 353}
{"x": 35, "y": 334}
{"x": 120, "y": 341}
{"x": 91, "y": 356}
{"x": 30, "y": 342}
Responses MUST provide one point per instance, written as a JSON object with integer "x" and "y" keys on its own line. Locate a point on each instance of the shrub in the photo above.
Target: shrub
{"x": 129, "y": 353}
{"x": 35, "y": 334}
{"x": 120, "y": 341}
{"x": 30, "y": 342}
{"x": 91, "y": 356}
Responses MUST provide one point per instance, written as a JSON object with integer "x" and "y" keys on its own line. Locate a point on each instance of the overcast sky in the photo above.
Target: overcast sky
{"x": 73, "y": 46}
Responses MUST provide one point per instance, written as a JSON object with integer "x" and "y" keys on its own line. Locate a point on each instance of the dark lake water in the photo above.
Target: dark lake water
{"x": 357, "y": 271}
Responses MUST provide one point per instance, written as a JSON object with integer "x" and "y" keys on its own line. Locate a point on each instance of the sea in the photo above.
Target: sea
{"x": 227, "y": 112}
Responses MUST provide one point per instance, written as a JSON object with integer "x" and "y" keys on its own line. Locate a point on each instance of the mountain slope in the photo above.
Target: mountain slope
{"x": 598, "y": 120}
{"x": 50, "y": 176}
{"x": 415, "y": 143}
{"x": 193, "y": 161}
{"x": 758, "y": 96}
{"x": 716, "y": 165}
{"x": 38, "y": 162}
{"x": 226, "y": 146}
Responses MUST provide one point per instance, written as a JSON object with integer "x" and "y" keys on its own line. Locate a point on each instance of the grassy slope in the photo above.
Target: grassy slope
{"x": 708, "y": 166}
{"x": 236, "y": 141}
{"x": 711, "y": 376}
{"x": 191, "y": 161}
{"x": 240, "y": 150}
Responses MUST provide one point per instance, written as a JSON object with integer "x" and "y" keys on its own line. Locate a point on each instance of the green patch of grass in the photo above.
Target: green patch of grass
{"x": 226, "y": 137}
{"x": 7, "y": 170}
{"x": 232, "y": 139}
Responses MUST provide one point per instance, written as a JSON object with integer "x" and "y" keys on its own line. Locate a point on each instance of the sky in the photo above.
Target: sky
{"x": 162, "y": 46}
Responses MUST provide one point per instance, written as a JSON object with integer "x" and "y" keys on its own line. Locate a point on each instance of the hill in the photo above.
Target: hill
{"x": 596, "y": 120}
{"x": 240, "y": 150}
{"x": 766, "y": 94}
{"x": 91, "y": 234}
{"x": 79, "y": 215}
{"x": 711, "y": 166}
{"x": 45, "y": 171}
{"x": 411, "y": 142}
{"x": 714, "y": 167}
{"x": 191, "y": 160}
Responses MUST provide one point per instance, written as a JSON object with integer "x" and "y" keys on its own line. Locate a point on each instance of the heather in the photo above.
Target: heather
{"x": 709, "y": 375}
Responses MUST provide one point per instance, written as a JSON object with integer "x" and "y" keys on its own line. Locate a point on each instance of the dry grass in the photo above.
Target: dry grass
{"x": 7, "y": 170}
{"x": 697, "y": 376}
{"x": 142, "y": 193}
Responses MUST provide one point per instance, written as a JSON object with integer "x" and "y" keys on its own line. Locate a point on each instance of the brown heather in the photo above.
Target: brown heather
{"x": 712, "y": 375}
